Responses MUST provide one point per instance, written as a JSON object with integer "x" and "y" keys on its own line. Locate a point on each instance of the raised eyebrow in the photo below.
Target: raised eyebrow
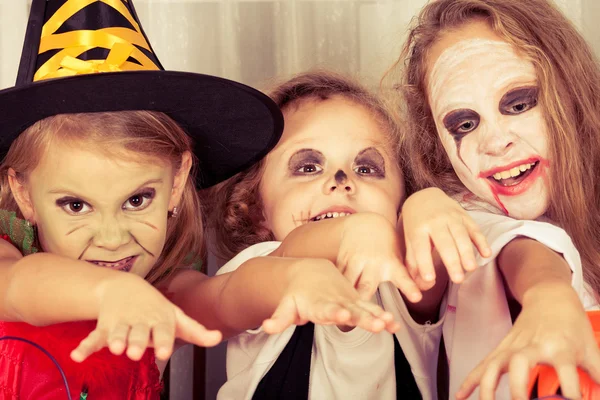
{"x": 316, "y": 155}
{"x": 519, "y": 93}
{"x": 454, "y": 117}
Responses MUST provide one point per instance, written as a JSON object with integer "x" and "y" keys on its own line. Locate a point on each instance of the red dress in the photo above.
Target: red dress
{"x": 27, "y": 373}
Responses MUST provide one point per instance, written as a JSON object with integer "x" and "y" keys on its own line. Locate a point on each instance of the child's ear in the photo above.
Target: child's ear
{"x": 180, "y": 179}
{"x": 20, "y": 192}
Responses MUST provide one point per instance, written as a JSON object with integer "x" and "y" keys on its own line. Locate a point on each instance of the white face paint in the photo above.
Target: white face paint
{"x": 484, "y": 98}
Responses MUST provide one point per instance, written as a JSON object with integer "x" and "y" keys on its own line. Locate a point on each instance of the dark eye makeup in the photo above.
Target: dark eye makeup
{"x": 514, "y": 102}
{"x": 306, "y": 162}
{"x": 519, "y": 100}
{"x": 461, "y": 122}
{"x": 370, "y": 162}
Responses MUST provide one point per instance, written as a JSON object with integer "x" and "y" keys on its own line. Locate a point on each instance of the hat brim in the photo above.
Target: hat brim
{"x": 232, "y": 125}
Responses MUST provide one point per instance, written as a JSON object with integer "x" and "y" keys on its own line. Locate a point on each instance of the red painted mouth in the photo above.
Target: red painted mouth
{"x": 515, "y": 185}
{"x": 124, "y": 264}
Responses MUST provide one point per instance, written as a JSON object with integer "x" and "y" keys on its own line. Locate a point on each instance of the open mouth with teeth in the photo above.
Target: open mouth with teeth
{"x": 124, "y": 264}
{"x": 329, "y": 215}
{"x": 515, "y": 175}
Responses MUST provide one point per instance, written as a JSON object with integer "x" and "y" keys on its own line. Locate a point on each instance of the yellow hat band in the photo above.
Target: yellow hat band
{"x": 121, "y": 43}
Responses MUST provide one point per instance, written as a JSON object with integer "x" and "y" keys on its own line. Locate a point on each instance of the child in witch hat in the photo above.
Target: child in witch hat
{"x": 99, "y": 207}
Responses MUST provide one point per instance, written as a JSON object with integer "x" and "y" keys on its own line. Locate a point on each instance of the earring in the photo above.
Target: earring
{"x": 174, "y": 212}
{"x": 28, "y": 223}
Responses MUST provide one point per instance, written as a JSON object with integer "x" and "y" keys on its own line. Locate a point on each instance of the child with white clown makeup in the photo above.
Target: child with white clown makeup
{"x": 331, "y": 190}
{"x": 503, "y": 103}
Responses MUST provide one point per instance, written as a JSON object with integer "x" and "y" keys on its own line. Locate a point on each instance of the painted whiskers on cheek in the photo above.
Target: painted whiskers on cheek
{"x": 135, "y": 237}
{"x": 130, "y": 233}
{"x": 75, "y": 229}
{"x": 85, "y": 249}
{"x": 143, "y": 248}
{"x": 149, "y": 224}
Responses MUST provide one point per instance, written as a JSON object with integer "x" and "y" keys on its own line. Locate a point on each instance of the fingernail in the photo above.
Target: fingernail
{"x": 457, "y": 277}
{"x": 428, "y": 277}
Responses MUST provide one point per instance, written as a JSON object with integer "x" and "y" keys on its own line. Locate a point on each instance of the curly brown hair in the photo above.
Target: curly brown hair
{"x": 569, "y": 80}
{"x": 236, "y": 212}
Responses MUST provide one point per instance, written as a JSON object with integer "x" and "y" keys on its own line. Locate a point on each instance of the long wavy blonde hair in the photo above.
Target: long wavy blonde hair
{"x": 569, "y": 80}
{"x": 150, "y": 134}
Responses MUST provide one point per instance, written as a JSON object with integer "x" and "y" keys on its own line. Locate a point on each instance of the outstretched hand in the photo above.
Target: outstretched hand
{"x": 133, "y": 315}
{"x": 552, "y": 329}
{"x": 319, "y": 294}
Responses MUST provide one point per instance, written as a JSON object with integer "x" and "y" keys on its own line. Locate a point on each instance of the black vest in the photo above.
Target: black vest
{"x": 288, "y": 378}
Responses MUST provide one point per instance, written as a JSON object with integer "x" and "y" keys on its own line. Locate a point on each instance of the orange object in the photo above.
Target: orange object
{"x": 543, "y": 380}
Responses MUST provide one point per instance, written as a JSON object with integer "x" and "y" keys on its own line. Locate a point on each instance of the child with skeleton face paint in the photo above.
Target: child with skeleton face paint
{"x": 503, "y": 99}
{"x": 331, "y": 190}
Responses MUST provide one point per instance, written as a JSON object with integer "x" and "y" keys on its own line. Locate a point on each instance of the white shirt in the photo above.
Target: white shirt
{"x": 477, "y": 317}
{"x": 345, "y": 365}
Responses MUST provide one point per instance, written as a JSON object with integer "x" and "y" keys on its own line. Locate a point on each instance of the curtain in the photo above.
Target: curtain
{"x": 253, "y": 41}
{"x": 13, "y": 20}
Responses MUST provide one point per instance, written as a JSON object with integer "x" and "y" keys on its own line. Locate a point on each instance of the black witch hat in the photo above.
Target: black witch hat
{"x": 83, "y": 56}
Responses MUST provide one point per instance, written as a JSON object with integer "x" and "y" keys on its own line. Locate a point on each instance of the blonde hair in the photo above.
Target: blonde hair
{"x": 237, "y": 218}
{"x": 569, "y": 80}
{"x": 149, "y": 134}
